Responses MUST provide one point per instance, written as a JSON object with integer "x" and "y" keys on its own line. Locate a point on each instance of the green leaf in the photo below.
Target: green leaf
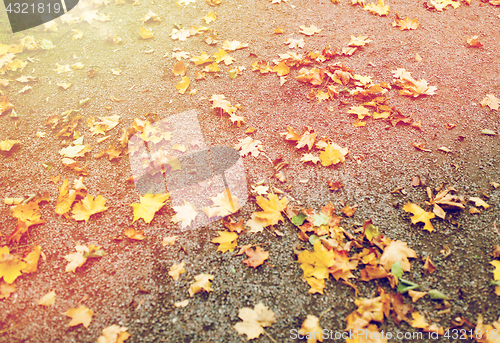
{"x": 320, "y": 219}
{"x": 397, "y": 270}
{"x": 437, "y": 295}
{"x": 299, "y": 219}
{"x": 405, "y": 286}
{"x": 178, "y": 26}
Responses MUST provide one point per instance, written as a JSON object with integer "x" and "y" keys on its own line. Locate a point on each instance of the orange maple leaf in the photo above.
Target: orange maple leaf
{"x": 255, "y": 257}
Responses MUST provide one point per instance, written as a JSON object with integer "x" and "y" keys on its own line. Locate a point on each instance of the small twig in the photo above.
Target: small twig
{"x": 495, "y": 228}
{"x": 269, "y": 336}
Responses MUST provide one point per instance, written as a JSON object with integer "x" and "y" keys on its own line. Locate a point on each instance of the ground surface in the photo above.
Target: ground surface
{"x": 130, "y": 286}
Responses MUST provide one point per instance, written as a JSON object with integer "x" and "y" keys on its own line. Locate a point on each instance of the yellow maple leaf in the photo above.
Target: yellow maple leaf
{"x": 202, "y": 59}
{"x": 146, "y": 33}
{"x": 419, "y": 215}
{"x": 185, "y": 214}
{"x": 222, "y": 56}
{"x": 202, "y": 283}
{"x": 406, "y": 24}
{"x": 48, "y": 299}
{"x": 330, "y": 156}
{"x": 65, "y": 199}
{"x": 419, "y": 321}
{"x": 317, "y": 285}
{"x": 176, "y": 270}
{"x": 311, "y": 329}
{"x": 88, "y": 206}
{"x": 27, "y": 215}
{"x": 183, "y": 85}
{"x": 5, "y": 105}
{"x": 496, "y": 272}
{"x": 281, "y": 69}
{"x": 210, "y": 17}
{"x": 32, "y": 260}
{"x": 227, "y": 241}
{"x": 359, "y": 41}
{"x": 133, "y": 234}
{"x": 10, "y": 265}
{"x": 148, "y": 206}
{"x": 234, "y": 45}
{"x": 380, "y": 8}
{"x": 272, "y": 209}
{"x": 316, "y": 263}
{"x": 397, "y": 251}
{"x": 8, "y": 144}
{"x": 360, "y": 111}
{"x": 76, "y": 259}
{"x": 211, "y": 68}
{"x": 309, "y": 31}
{"x": 81, "y": 315}
{"x": 254, "y": 320}
{"x": 114, "y": 334}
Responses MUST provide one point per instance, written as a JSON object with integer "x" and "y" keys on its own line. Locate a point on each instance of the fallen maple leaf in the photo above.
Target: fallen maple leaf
{"x": 176, "y": 270}
{"x": 48, "y": 299}
{"x": 255, "y": 257}
{"x": 254, "y": 320}
{"x": 114, "y": 334}
{"x": 183, "y": 85}
{"x": 272, "y": 209}
{"x": 210, "y": 17}
{"x": 8, "y": 144}
{"x": 294, "y": 43}
{"x": 227, "y": 241}
{"x": 233, "y": 45}
{"x": 32, "y": 260}
{"x": 185, "y": 214}
{"x": 490, "y": 100}
{"x": 146, "y": 33}
{"x": 249, "y": 146}
{"x": 311, "y": 329}
{"x": 419, "y": 215}
{"x": 202, "y": 283}
{"x": 397, "y": 251}
{"x": 81, "y": 315}
{"x": 330, "y": 155}
{"x": 5, "y": 105}
{"x": 147, "y": 207}
{"x": 380, "y": 8}
{"x": 474, "y": 42}
{"x": 78, "y": 258}
{"x": 309, "y": 31}
{"x": 134, "y": 234}
{"x": 10, "y": 265}
{"x": 406, "y": 24}
{"x": 88, "y": 206}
